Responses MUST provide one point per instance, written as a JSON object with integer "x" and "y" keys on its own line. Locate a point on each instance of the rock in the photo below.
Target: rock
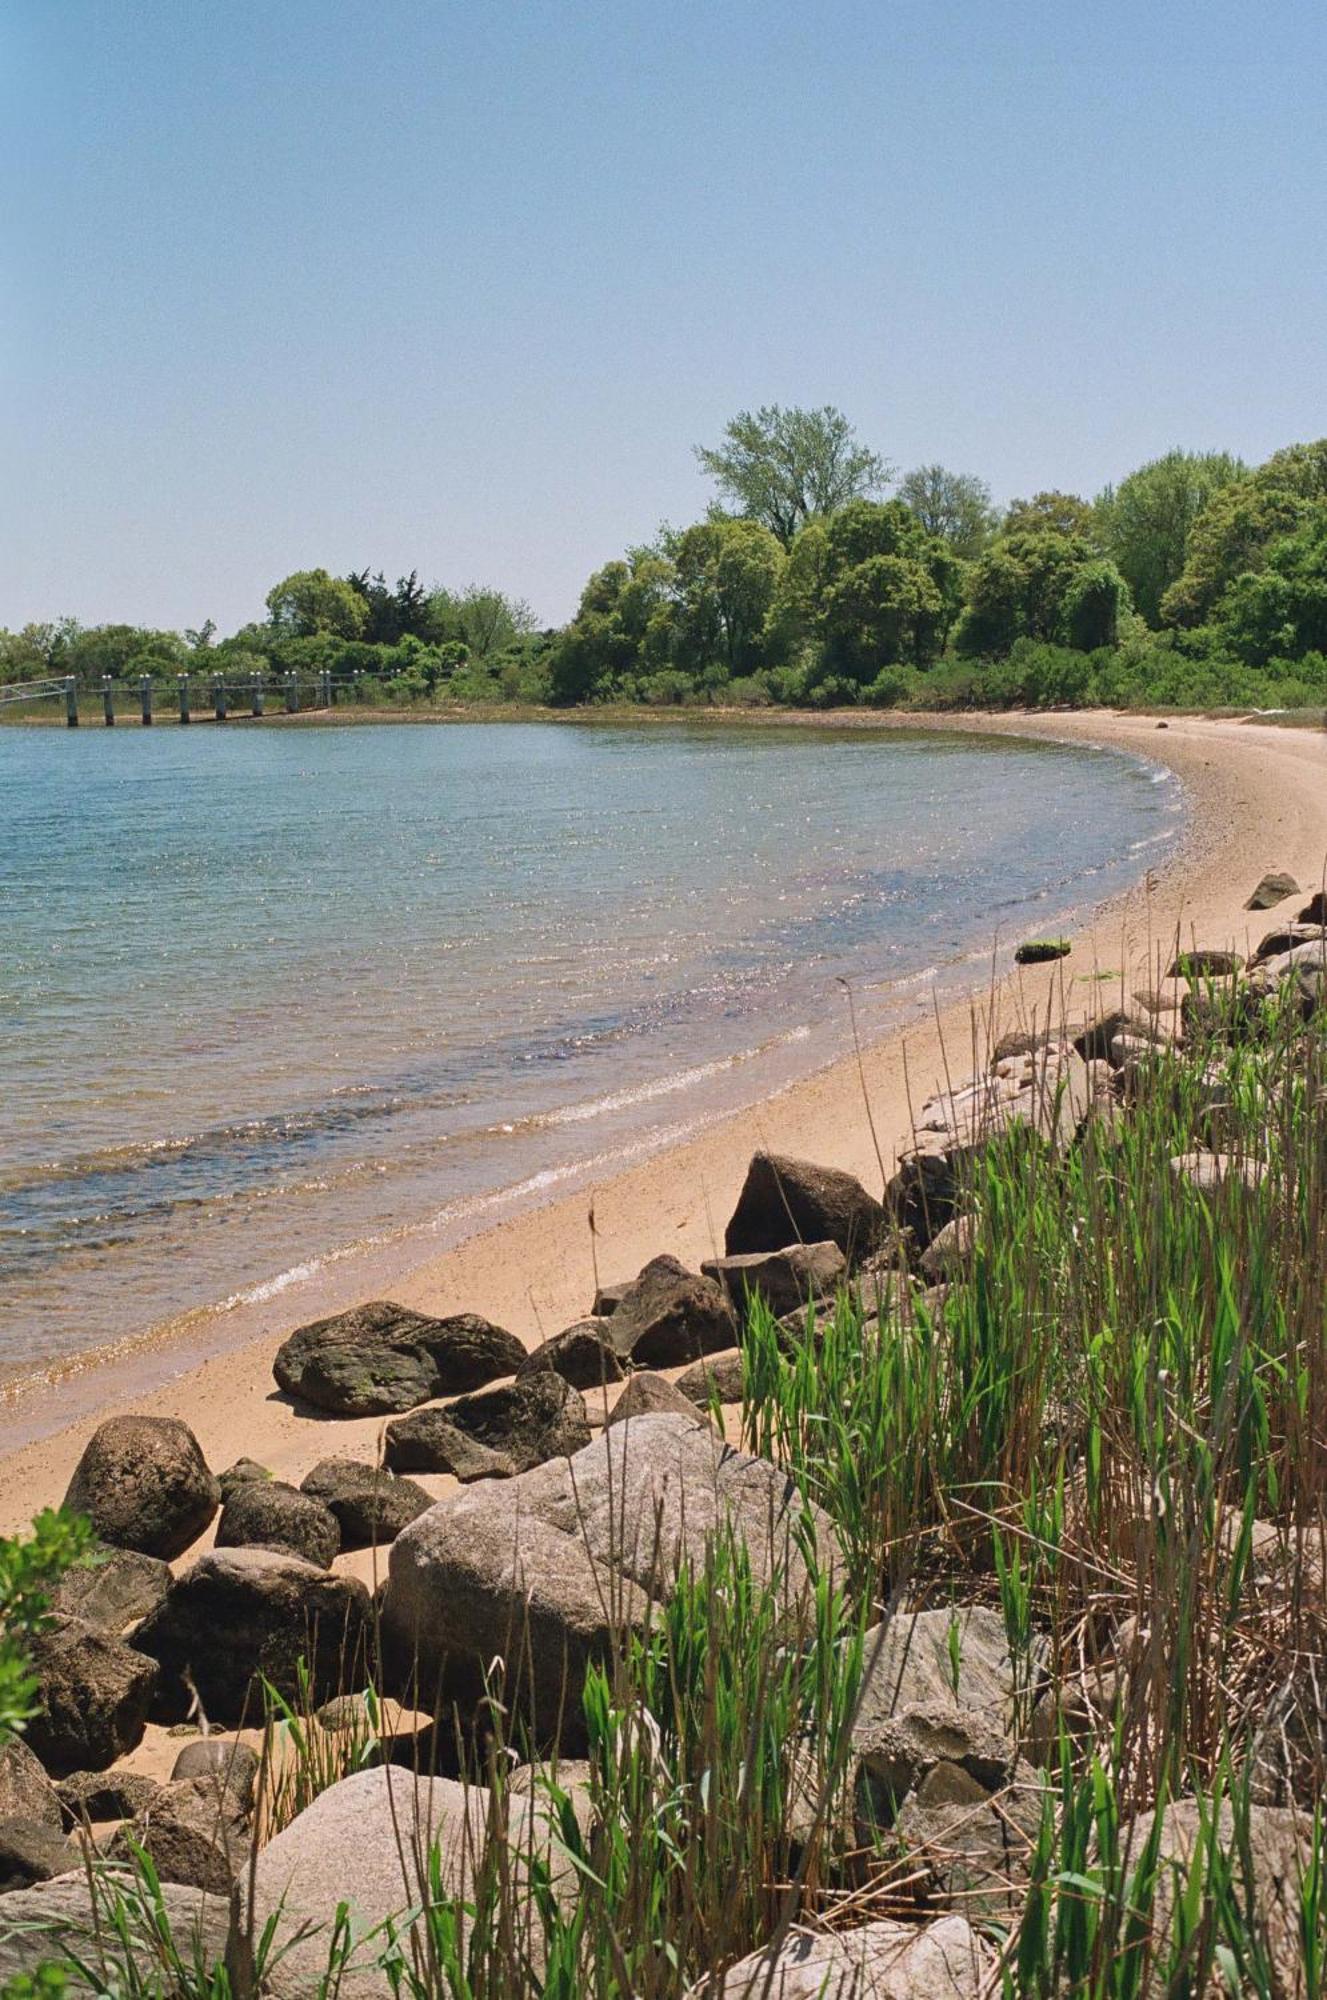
{"x": 70, "y": 1912}
{"x": 220, "y": 1759}
{"x": 193, "y": 1834}
{"x": 542, "y": 1571}
{"x": 1289, "y": 1745}
{"x": 428, "y": 1441}
{"x": 144, "y": 1484}
{"x": 360, "y": 1843}
{"x": 30, "y": 1851}
{"x": 239, "y": 1613}
{"x": 94, "y": 1692}
{"x": 236, "y": 1475}
{"x": 973, "y": 1848}
{"x": 785, "y": 1279}
{"x": 608, "y": 1298}
{"x": 1092, "y": 1043}
{"x": 949, "y": 1254}
{"x": 268, "y": 1514}
{"x": 785, "y": 1200}
{"x": 648, "y": 1395}
{"x": 1286, "y": 938}
{"x": 381, "y": 1358}
{"x": 1042, "y": 951}
{"x": 1210, "y": 1171}
{"x": 537, "y": 1417}
{"x": 112, "y": 1593}
{"x": 1280, "y": 1844}
{"x": 370, "y": 1505}
{"x": 717, "y": 1375}
{"x": 670, "y": 1316}
{"x": 98, "y": 1795}
{"x": 1273, "y": 889}
{"x": 1206, "y": 964}
{"x": 25, "y": 1790}
{"x": 899, "y": 1753}
{"x": 885, "y": 1960}
{"x": 583, "y": 1355}
{"x": 908, "y": 1664}
{"x": 1315, "y": 910}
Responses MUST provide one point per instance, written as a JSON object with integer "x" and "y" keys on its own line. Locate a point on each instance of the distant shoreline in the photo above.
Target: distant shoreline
{"x": 1257, "y": 797}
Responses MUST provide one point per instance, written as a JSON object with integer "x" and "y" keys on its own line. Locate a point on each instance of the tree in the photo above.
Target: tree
{"x": 785, "y": 467}
{"x": 1145, "y": 522}
{"x": 1280, "y": 612}
{"x": 1060, "y": 513}
{"x": 1043, "y": 585}
{"x": 880, "y": 612}
{"x": 727, "y": 573}
{"x": 1240, "y": 523}
{"x": 310, "y": 601}
{"x": 955, "y": 506}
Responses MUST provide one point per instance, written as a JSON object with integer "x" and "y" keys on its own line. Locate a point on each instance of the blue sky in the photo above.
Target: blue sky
{"x": 420, "y": 285}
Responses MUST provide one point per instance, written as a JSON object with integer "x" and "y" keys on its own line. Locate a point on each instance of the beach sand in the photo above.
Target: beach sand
{"x": 1256, "y": 800}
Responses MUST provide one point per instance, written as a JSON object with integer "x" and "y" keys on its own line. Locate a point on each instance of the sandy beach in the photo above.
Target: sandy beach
{"x": 1256, "y": 799}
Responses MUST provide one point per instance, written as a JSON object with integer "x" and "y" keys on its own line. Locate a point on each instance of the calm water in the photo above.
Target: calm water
{"x": 267, "y": 992}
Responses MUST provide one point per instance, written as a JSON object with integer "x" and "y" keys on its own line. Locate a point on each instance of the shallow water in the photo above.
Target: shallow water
{"x": 266, "y": 992}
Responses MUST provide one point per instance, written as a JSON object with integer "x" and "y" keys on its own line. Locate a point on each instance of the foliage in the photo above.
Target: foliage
{"x": 956, "y": 506}
{"x": 1051, "y": 513}
{"x": 1145, "y": 522}
{"x": 30, "y": 1567}
{"x": 786, "y": 467}
{"x": 311, "y": 602}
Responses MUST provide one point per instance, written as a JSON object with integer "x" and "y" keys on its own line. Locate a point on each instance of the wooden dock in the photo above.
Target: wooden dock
{"x": 192, "y": 697}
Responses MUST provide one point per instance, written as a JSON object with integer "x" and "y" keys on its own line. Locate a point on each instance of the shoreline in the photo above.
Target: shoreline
{"x": 1256, "y": 796}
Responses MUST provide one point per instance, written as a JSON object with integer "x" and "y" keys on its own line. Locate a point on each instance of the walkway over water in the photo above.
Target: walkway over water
{"x": 191, "y": 697}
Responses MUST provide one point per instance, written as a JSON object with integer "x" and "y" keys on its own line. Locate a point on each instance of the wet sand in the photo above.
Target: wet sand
{"x": 1256, "y": 800}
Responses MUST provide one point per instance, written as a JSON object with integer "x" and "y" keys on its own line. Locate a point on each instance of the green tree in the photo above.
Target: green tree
{"x": 727, "y": 572}
{"x": 1280, "y": 611}
{"x": 1051, "y": 512}
{"x": 1095, "y": 599}
{"x": 1145, "y": 522}
{"x": 880, "y": 612}
{"x": 310, "y": 602}
{"x": 955, "y": 506}
{"x": 1043, "y": 585}
{"x": 1241, "y": 522}
{"x": 785, "y": 467}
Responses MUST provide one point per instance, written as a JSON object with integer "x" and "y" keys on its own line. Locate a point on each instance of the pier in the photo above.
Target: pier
{"x": 186, "y": 698}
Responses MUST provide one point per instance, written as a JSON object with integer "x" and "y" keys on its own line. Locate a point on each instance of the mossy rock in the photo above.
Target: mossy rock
{"x": 1040, "y": 951}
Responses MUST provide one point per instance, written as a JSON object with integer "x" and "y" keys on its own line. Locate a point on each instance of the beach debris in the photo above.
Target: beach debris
{"x": 94, "y": 1694}
{"x": 428, "y": 1441}
{"x": 1041, "y": 951}
{"x": 670, "y": 1315}
{"x": 650, "y": 1395}
{"x": 369, "y": 1503}
{"x": 545, "y": 1571}
{"x": 785, "y": 1200}
{"x": 582, "y": 1354}
{"x": 536, "y": 1417}
{"x": 144, "y": 1484}
{"x": 1273, "y": 889}
{"x": 240, "y": 1613}
{"x": 114, "y": 1591}
{"x": 268, "y": 1514}
{"x": 785, "y": 1279}
{"x": 884, "y": 1960}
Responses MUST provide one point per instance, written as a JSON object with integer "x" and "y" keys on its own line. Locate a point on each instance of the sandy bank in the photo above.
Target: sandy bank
{"x": 1257, "y": 799}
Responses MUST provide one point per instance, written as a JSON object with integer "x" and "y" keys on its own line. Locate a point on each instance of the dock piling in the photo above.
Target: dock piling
{"x": 71, "y": 702}
{"x": 108, "y": 700}
{"x": 145, "y": 699}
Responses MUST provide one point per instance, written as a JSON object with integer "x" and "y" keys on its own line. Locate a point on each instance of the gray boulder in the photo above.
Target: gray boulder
{"x": 220, "y": 1760}
{"x": 648, "y": 1395}
{"x": 670, "y": 1316}
{"x": 536, "y": 1417}
{"x": 113, "y": 1591}
{"x": 100, "y": 1795}
{"x": 236, "y": 1614}
{"x": 365, "y": 1842}
{"x": 792, "y": 1201}
{"x": 364, "y": 1363}
{"x": 370, "y": 1505}
{"x": 1273, "y": 889}
{"x": 541, "y": 1571}
{"x": 144, "y": 1484}
{"x": 785, "y": 1279}
{"x": 428, "y": 1441}
{"x": 268, "y": 1514}
{"x": 25, "y": 1790}
{"x": 885, "y": 1960}
{"x": 94, "y": 1694}
{"x": 75, "y": 1912}
{"x": 583, "y": 1355}
{"x": 717, "y": 1375}
{"x": 30, "y": 1851}
{"x": 909, "y": 1664}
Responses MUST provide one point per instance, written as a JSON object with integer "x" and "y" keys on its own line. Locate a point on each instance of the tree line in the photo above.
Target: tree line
{"x": 820, "y": 577}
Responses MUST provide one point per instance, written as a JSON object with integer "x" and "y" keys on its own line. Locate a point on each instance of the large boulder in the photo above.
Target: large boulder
{"x": 74, "y": 1913}
{"x": 220, "y": 1760}
{"x": 791, "y": 1201}
{"x": 787, "y": 1280}
{"x": 716, "y": 1375}
{"x": 955, "y": 1659}
{"x": 25, "y": 1790}
{"x": 237, "y": 1614}
{"x": 669, "y": 1316}
{"x": 649, "y": 1395}
{"x": 268, "y": 1514}
{"x": 370, "y": 1505}
{"x": 886, "y": 1960}
{"x": 144, "y": 1484}
{"x": 193, "y": 1832}
{"x": 380, "y": 1358}
{"x": 541, "y": 1571}
{"x": 366, "y": 1842}
{"x": 30, "y": 1851}
{"x": 1273, "y": 889}
{"x": 536, "y": 1417}
{"x": 583, "y": 1355}
{"x": 428, "y": 1441}
{"x": 94, "y": 1694}
{"x": 114, "y": 1590}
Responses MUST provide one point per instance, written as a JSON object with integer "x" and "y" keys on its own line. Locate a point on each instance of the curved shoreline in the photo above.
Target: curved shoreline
{"x": 1257, "y": 799}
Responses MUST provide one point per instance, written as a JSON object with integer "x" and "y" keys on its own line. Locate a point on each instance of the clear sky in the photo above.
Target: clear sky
{"x": 413, "y": 284}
